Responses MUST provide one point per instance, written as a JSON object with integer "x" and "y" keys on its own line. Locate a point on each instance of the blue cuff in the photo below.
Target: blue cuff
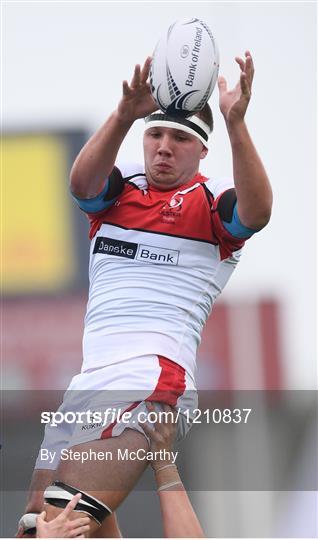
{"x": 236, "y": 228}
{"x": 96, "y": 204}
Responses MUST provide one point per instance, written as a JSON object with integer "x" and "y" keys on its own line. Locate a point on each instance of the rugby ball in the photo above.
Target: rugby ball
{"x": 184, "y": 68}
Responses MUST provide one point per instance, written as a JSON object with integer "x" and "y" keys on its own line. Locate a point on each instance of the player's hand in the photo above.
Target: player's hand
{"x": 233, "y": 103}
{"x": 62, "y": 526}
{"x": 163, "y": 434}
{"x": 137, "y": 101}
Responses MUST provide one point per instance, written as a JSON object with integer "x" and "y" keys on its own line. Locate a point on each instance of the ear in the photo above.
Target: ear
{"x": 203, "y": 152}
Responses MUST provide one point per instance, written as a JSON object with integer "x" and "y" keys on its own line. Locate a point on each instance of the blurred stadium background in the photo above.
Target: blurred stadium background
{"x": 261, "y": 335}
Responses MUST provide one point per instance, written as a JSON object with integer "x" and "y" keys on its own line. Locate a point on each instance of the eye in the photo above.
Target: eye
{"x": 181, "y": 138}
{"x": 155, "y": 134}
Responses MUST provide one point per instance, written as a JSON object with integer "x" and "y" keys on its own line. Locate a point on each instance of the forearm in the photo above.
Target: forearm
{"x": 96, "y": 160}
{"x": 178, "y": 516}
{"x": 254, "y": 194}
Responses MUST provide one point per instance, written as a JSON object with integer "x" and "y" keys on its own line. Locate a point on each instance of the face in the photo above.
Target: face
{"x": 172, "y": 157}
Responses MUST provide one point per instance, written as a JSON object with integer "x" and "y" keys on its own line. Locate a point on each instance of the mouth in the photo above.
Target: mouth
{"x": 162, "y": 165}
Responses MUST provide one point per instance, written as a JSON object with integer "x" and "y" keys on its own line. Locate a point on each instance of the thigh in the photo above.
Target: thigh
{"x": 112, "y": 474}
{"x": 41, "y": 479}
{"x": 108, "y": 480}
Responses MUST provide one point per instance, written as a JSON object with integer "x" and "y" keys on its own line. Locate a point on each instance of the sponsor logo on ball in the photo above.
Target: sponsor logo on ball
{"x": 195, "y": 56}
{"x": 184, "y": 51}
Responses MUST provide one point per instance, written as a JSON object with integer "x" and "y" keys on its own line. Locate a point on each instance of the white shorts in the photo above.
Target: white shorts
{"x": 107, "y": 393}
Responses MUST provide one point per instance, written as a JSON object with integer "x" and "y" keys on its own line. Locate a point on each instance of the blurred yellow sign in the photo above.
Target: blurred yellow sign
{"x": 36, "y": 236}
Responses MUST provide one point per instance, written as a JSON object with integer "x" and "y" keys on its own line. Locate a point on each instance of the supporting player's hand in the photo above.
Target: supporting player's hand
{"x": 233, "y": 103}
{"x": 137, "y": 101}
{"x": 62, "y": 526}
{"x": 163, "y": 434}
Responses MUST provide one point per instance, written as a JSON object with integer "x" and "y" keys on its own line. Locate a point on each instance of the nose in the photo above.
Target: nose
{"x": 165, "y": 145}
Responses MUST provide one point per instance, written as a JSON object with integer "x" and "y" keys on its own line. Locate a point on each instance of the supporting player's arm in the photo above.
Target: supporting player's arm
{"x": 253, "y": 190}
{"x": 96, "y": 160}
{"x": 178, "y": 517}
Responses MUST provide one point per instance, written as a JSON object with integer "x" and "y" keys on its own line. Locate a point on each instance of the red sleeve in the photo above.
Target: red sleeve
{"x": 95, "y": 221}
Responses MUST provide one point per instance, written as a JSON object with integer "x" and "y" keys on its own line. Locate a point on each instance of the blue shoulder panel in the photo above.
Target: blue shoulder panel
{"x": 236, "y": 228}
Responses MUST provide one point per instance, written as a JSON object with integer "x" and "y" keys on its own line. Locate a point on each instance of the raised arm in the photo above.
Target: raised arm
{"x": 253, "y": 190}
{"x": 96, "y": 160}
{"x": 178, "y": 517}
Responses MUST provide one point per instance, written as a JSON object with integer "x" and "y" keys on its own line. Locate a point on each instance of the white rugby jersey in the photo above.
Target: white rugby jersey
{"x": 158, "y": 261}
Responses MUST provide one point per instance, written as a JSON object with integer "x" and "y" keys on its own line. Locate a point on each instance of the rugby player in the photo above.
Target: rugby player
{"x": 165, "y": 241}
